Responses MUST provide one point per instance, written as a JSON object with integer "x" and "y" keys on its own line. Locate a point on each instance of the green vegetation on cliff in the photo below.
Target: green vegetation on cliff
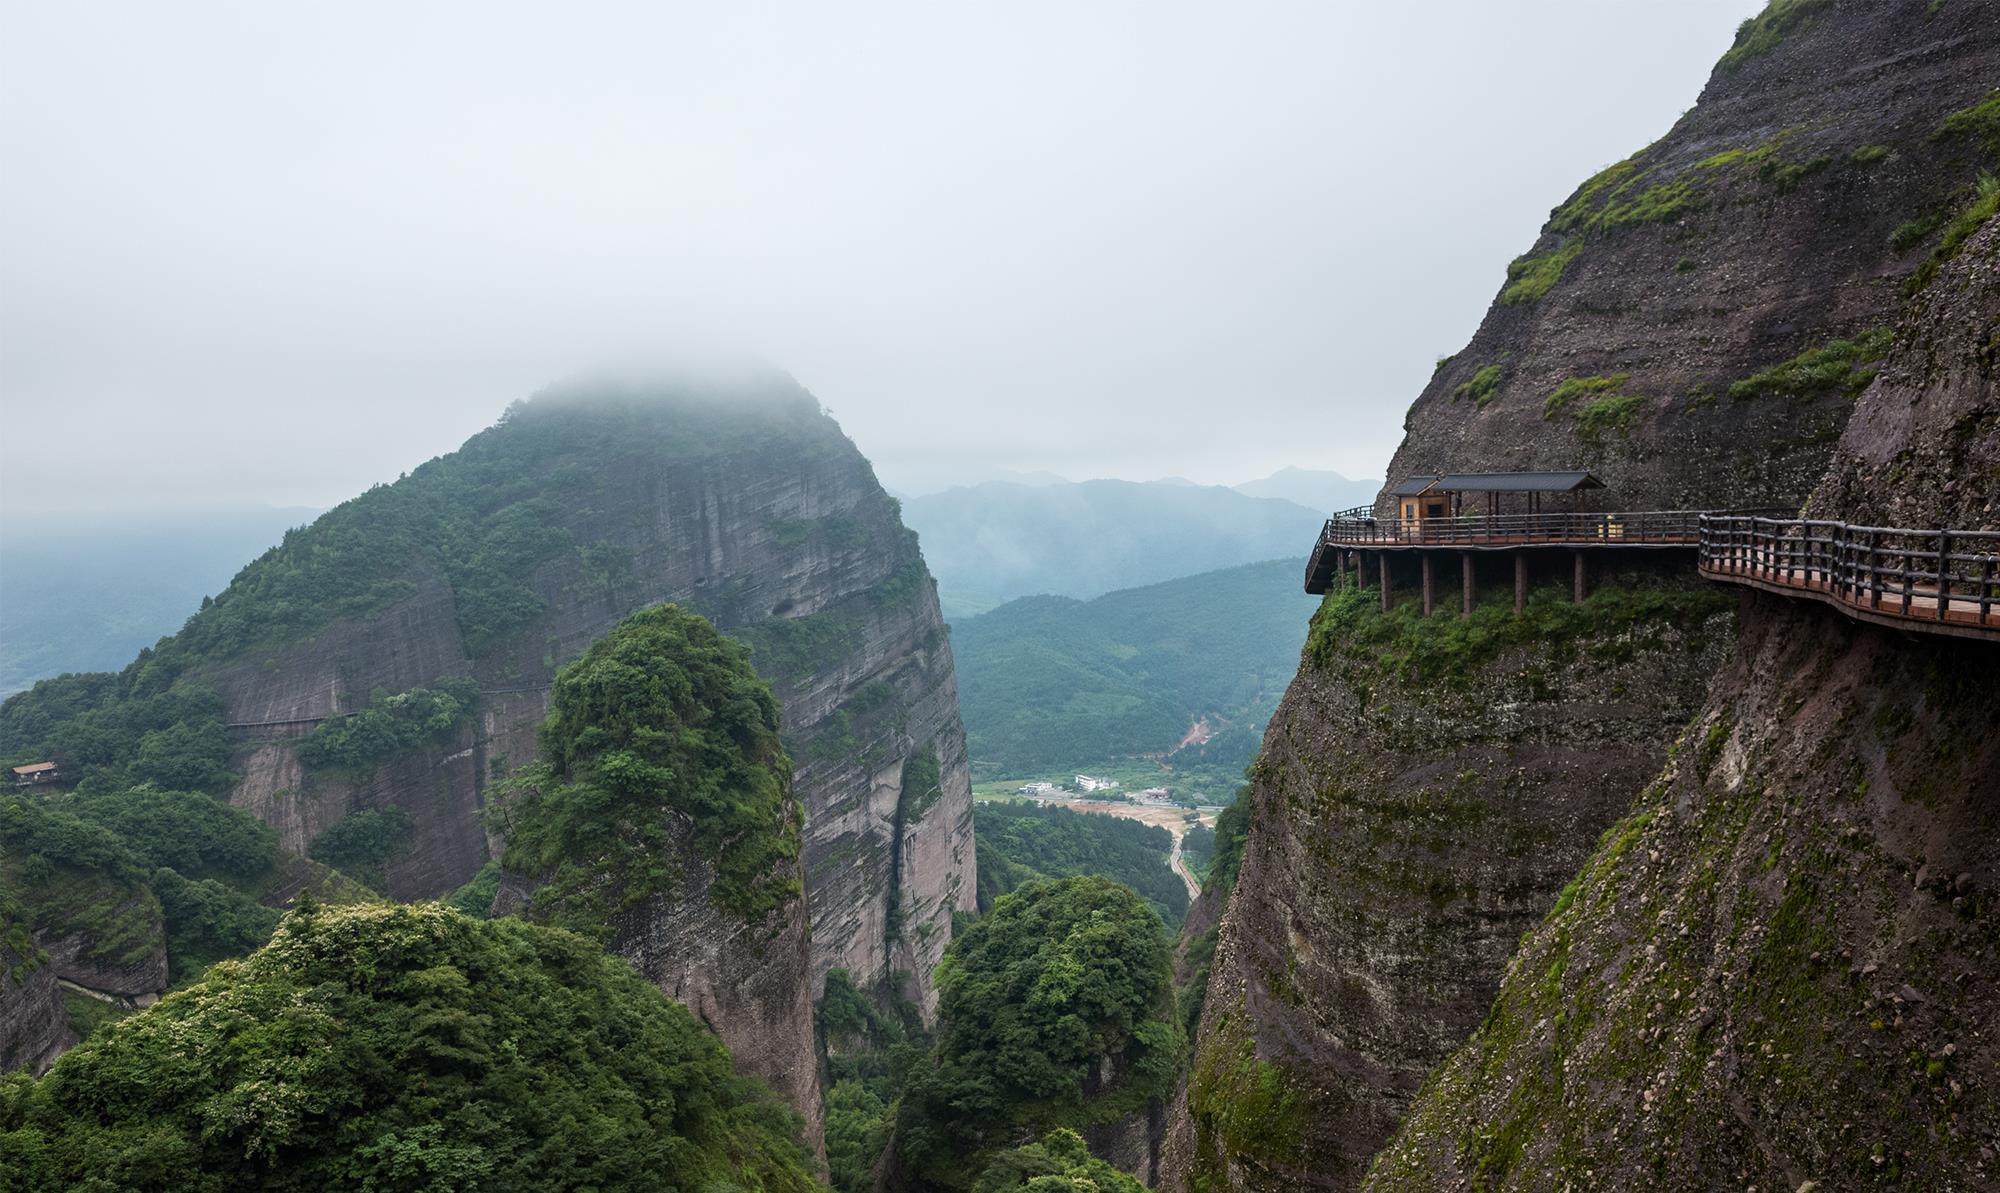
{"x": 1840, "y": 367}
{"x": 1061, "y": 983}
{"x": 869, "y": 1058}
{"x": 1761, "y": 34}
{"x": 1060, "y": 1162}
{"x": 388, "y": 726}
{"x": 139, "y": 872}
{"x": 660, "y": 743}
{"x": 380, "y": 1047}
{"x": 1021, "y": 842}
{"x": 1446, "y": 650}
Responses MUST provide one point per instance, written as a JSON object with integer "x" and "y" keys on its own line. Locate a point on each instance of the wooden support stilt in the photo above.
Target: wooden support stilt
{"x": 1465, "y": 579}
{"x": 1360, "y": 571}
{"x": 1382, "y": 561}
{"x": 1520, "y": 581}
{"x": 1578, "y": 587}
{"x": 1430, "y": 584}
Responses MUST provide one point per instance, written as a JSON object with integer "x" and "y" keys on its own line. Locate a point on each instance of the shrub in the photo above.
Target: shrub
{"x": 1762, "y": 33}
{"x": 1484, "y": 386}
{"x": 1566, "y": 394}
{"x": 357, "y": 743}
{"x": 1842, "y": 366}
{"x": 1530, "y": 278}
{"x": 360, "y": 844}
{"x": 1608, "y": 413}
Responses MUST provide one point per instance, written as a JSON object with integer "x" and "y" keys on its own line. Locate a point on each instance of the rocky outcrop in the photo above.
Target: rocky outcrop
{"x": 33, "y": 1028}
{"x": 742, "y": 501}
{"x": 1780, "y": 969}
{"x": 747, "y": 980}
{"x": 1775, "y": 218}
{"x": 1416, "y": 808}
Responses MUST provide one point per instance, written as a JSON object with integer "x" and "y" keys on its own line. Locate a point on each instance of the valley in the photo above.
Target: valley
{"x": 640, "y": 794}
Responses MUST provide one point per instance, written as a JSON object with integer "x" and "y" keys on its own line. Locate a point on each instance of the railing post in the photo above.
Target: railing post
{"x": 1985, "y": 589}
{"x": 1943, "y": 573}
{"x": 1874, "y": 568}
{"x": 1903, "y": 565}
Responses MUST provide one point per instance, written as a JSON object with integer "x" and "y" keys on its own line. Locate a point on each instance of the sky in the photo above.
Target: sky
{"x": 273, "y": 254}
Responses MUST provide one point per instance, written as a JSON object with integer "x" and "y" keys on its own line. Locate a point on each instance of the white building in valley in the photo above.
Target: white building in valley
{"x": 1087, "y": 784}
{"x": 1038, "y": 790}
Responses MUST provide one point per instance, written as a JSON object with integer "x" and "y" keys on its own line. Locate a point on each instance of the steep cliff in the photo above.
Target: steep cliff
{"x": 1775, "y": 219}
{"x": 1694, "y": 325}
{"x": 33, "y": 1029}
{"x": 739, "y": 500}
{"x": 1426, "y": 788}
{"x": 1779, "y": 970}
{"x": 381, "y": 668}
{"x": 659, "y": 818}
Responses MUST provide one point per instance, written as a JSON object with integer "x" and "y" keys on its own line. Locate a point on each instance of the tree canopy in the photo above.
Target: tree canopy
{"x": 1020, "y": 841}
{"x": 403, "y": 1047}
{"x": 659, "y": 738}
{"x": 1061, "y": 982}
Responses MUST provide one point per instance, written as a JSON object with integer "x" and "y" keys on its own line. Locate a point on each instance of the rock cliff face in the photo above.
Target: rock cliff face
{"x": 1780, "y": 969}
{"x": 33, "y": 1029}
{"x": 1775, "y": 218}
{"x": 1413, "y": 812}
{"x": 1694, "y": 325}
{"x": 740, "y": 501}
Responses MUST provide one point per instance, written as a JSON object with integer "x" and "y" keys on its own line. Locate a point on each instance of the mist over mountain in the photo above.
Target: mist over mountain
{"x": 990, "y": 543}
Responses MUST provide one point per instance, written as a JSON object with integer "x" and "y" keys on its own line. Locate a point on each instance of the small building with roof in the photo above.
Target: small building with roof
{"x": 1443, "y": 495}
{"x": 35, "y": 773}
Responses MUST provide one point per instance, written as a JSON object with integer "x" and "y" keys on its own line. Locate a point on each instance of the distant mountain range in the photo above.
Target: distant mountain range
{"x": 1048, "y": 682}
{"x": 88, "y": 596}
{"x": 988, "y": 544}
{"x": 1329, "y": 492}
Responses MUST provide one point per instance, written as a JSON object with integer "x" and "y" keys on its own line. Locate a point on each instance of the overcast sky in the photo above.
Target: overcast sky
{"x": 278, "y": 252}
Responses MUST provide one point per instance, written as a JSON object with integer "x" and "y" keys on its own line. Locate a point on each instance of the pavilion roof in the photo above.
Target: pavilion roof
{"x": 1498, "y": 482}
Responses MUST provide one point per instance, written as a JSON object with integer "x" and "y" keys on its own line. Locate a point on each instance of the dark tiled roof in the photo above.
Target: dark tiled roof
{"x": 1499, "y": 482}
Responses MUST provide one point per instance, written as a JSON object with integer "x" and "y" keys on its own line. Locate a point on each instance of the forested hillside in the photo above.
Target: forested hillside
{"x": 384, "y": 1047}
{"x": 990, "y": 543}
{"x": 1051, "y": 682}
{"x": 1020, "y": 842}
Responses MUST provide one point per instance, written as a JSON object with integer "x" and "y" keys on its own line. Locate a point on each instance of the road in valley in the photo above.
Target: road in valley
{"x": 1172, "y": 819}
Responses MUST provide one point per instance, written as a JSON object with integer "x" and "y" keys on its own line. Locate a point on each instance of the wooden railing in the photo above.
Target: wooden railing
{"x": 1948, "y": 577}
{"x": 1359, "y": 528}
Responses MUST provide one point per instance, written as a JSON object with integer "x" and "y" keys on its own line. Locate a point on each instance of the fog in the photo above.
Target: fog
{"x": 275, "y": 253}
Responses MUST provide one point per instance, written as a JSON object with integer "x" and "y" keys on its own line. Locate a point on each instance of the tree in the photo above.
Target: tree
{"x": 659, "y": 738}
{"x": 1062, "y": 982}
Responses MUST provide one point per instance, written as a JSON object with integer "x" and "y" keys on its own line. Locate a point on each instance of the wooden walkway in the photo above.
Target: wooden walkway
{"x": 1931, "y": 581}
{"x": 1358, "y": 530}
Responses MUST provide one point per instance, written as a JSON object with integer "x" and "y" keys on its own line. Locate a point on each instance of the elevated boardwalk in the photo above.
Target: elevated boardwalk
{"x": 1930, "y": 581}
